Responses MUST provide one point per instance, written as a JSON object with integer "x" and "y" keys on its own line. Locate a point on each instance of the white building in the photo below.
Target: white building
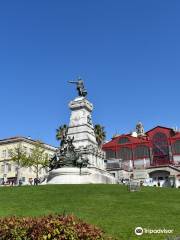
{"x": 8, "y": 169}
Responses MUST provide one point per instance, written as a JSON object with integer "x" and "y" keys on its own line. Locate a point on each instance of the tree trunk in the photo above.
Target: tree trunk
{"x": 37, "y": 174}
{"x": 5, "y": 172}
{"x": 17, "y": 175}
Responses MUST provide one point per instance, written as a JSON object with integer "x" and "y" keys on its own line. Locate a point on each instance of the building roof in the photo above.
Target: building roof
{"x": 140, "y": 139}
{"x": 25, "y": 139}
{"x": 152, "y": 129}
{"x": 114, "y": 141}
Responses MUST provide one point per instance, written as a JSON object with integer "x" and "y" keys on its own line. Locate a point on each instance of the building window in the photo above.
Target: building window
{"x": 9, "y": 152}
{"x": 4, "y": 154}
{"x": 30, "y": 150}
{"x": 160, "y": 144}
{"x": 110, "y": 154}
{"x": 9, "y": 167}
{"x": 176, "y": 147}
{"x": 2, "y": 168}
{"x": 141, "y": 152}
{"x": 25, "y": 149}
{"x": 113, "y": 174}
{"x": 124, "y": 153}
{"x": 123, "y": 140}
{"x": 160, "y": 149}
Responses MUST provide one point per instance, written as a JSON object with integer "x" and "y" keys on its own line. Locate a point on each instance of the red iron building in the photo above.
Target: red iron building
{"x": 157, "y": 151}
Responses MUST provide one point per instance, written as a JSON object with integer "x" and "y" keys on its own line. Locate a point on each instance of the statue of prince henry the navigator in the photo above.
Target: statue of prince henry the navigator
{"x": 66, "y": 154}
{"x": 82, "y": 92}
{"x": 78, "y": 159}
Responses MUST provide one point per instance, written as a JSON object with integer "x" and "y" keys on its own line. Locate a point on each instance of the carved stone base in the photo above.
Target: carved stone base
{"x": 82, "y": 129}
{"x": 71, "y": 175}
{"x": 80, "y": 125}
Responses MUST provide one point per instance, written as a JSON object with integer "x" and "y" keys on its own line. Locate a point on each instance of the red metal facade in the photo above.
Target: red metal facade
{"x": 159, "y": 144}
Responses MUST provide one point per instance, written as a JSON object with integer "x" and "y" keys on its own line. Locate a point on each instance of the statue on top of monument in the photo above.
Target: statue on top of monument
{"x": 82, "y": 92}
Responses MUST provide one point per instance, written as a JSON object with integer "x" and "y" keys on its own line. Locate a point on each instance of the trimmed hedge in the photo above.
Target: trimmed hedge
{"x": 48, "y": 228}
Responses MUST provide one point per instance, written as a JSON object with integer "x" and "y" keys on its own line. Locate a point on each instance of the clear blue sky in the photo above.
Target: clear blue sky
{"x": 128, "y": 53}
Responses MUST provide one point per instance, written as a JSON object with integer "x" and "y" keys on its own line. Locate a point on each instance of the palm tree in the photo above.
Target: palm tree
{"x": 100, "y": 134}
{"x": 61, "y": 132}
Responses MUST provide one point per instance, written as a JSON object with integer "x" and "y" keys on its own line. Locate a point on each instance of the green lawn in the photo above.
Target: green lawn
{"x": 110, "y": 207}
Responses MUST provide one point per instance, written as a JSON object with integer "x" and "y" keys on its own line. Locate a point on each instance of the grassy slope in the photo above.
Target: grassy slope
{"x": 111, "y": 207}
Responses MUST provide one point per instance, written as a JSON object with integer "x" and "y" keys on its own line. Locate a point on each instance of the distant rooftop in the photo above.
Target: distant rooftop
{"x": 26, "y": 139}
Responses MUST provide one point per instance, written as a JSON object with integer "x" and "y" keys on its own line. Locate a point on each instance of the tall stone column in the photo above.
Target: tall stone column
{"x": 82, "y": 129}
{"x": 80, "y": 125}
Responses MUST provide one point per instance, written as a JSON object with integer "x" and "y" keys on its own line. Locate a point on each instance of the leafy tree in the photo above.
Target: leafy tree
{"x": 100, "y": 134}
{"x": 19, "y": 156}
{"x": 61, "y": 132}
{"x": 38, "y": 159}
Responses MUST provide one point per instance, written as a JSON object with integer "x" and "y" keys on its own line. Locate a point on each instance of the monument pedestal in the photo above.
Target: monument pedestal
{"x": 82, "y": 129}
{"x": 71, "y": 175}
{"x": 84, "y": 144}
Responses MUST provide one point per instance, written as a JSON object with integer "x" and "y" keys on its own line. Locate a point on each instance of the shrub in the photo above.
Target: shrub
{"x": 48, "y": 228}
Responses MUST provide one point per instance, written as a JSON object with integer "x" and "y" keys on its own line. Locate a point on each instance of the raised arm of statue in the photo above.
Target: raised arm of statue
{"x": 80, "y": 87}
{"x": 75, "y": 82}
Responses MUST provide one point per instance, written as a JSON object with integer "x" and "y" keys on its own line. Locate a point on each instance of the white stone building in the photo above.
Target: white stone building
{"x": 8, "y": 169}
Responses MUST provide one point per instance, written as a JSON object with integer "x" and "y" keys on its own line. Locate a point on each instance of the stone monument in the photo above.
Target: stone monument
{"x": 79, "y": 160}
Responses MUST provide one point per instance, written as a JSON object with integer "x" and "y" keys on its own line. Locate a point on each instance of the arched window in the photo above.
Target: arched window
{"x": 160, "y": 144}
{"x": 123, "y": 140}
{"x": 176, "y": 147}
{"x": 124, "y": 153}
{"x": 141, "y": 152}
{"x": 110, "y": 154}
{"x": 160, "y": 149}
